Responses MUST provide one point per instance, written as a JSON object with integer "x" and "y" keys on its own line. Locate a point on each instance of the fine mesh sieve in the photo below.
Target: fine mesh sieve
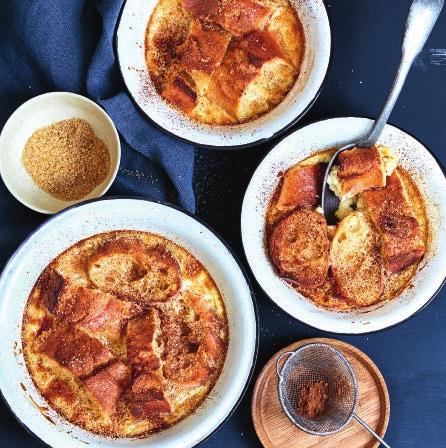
{"x": 306, "y": 366}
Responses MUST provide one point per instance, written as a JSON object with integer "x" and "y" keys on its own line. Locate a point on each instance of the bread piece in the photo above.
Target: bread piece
{"x": 253, "y": 76}
{"x": 284, "y": 22}
{"x": 141, "y": 342}
{"x": 94, "y": 310}
{"x": 359, "y": 170}
{"x": 204, "y": 49}
{"x": 53, "y": 287}
{"x": 180, "y": 93}
{"x": 239, "y": 17}
{"x": 299, "y": 247}
{"x": 301, "y": 186}
{"x": 147, "y": 399}
{"x": 108, "y": 384}
{"x": 134, "y": 272}
{"x": 76, "y": 351}
{"x": 356, "y": 264}
{"x": 390, "y": 210}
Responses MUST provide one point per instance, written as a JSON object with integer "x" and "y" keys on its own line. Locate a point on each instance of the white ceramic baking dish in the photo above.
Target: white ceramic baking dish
{"x": 425, "y": 171}
{"x": 80, "y": 222}
{"x": 131, "y": 44}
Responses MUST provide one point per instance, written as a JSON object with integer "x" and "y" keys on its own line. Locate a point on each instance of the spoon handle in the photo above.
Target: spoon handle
{"x": 422, "y": 17}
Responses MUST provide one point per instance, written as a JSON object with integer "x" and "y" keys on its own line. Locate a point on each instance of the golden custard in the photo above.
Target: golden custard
{"x": 378, "y": 243}
{"x": 125, "y": 333}
{"x": 224, "y": 61}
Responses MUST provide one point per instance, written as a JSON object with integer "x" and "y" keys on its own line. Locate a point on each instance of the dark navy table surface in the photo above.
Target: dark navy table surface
{"x": 366, "y": 37}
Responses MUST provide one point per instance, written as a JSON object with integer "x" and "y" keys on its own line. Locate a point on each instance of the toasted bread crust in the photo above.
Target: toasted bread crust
{"x": 301, "y": 186}
{"x": 204, "y": 49}
{"x": 391, "y": 212}
{"x": 75, "y": 350}
{"x": 180, "y": 93}
{"x": 299, "y": 247}
{"x": 130, "y": 270}
{"x": 239, "y": 17}
{"x": 107, "y": 385}
{"x": 357, "y": 268}
{"x": 360, "y": 170}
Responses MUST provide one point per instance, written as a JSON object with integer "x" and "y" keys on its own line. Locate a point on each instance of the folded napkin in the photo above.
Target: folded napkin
{"x": 68, "y": 45}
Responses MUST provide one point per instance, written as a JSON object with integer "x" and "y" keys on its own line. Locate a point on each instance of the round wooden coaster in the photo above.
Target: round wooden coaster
{"x": 275, "y": 430}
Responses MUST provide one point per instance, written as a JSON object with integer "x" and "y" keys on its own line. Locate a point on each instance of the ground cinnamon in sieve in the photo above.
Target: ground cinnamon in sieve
{"x": 312, "y": 399}
{"x": 66, "y": 159}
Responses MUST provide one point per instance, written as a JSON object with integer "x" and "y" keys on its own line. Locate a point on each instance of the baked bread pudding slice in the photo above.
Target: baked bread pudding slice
{"x": 391, "y": 212}
{"x": 299, "y": 247}
{"x": 252, "y": 77}
{"x": 356, "y": 265}
{"x": 361, "y": 169}
{"x": 302, "y": 186}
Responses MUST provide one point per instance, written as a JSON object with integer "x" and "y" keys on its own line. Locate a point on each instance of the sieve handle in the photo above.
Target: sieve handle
{"x": 370, "y": 430}
{"x": 279, "y": 359}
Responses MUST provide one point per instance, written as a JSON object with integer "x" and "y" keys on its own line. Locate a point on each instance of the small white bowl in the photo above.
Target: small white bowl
{"x": 425, "y": 171}
{"x": 131, "y": 45}
{"x": 41, "y": 111}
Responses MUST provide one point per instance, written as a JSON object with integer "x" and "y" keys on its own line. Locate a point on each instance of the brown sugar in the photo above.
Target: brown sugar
{"x": 66, "y": 159}
{"x": 312, "y": 399}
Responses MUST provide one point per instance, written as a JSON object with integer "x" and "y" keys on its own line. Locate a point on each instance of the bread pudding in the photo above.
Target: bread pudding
{"x": 375, "y": 248}
{"x": 224, "y": 62}
{"x": 125, "y": 334}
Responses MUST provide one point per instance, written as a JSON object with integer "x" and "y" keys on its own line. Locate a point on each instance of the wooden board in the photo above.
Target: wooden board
{"x": 275, "y": 430}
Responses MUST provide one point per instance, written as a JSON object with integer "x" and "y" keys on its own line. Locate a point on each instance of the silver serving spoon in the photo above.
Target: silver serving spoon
{"x": 422, "y": 17}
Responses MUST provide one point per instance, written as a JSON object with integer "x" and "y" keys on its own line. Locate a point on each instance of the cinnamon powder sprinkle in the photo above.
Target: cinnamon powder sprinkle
{"x": 66, "y": 159}
{"x": 312, "y": 399}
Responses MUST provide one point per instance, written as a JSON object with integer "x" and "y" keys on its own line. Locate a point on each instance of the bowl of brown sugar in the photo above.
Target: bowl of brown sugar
{"x": 58, "y": 149}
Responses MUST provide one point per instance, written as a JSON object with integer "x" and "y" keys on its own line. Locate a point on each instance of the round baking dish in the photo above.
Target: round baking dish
{"x": 130, "y": 46}
{"x": 79, "y": 222}
{"x": 431, "y": 181}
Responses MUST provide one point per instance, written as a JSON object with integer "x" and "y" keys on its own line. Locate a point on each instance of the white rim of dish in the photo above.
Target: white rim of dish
{"x": 102, "y": 112}
{"x": 130, "y": 38}
{"x": 431, "y": 181}
{"x": 92, "y": 217}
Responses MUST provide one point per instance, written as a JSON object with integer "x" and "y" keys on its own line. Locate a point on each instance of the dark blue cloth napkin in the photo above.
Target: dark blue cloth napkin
{"x": 68, "y": 45}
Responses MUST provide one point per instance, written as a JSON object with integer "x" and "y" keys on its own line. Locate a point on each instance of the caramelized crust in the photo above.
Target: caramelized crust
{"x": 301, "y": 186}
{"x": 108, "y": 385}
{"x": 53, "y": 286}
{"x": 360, "y": 170}
{"x": 97, "y": 311}
{"x": 375, "y": 248}
{"x": 141, "y": 342}
{"x": 230, "y": 80}
{"x": 392, "y": 213}
{"x": 147, "y": 398}
{"x": 204, "y": 48}
{"x": 203, "y": 8}
{"x": 358, "y": 273}
{"x": 76, "y": 351}
{"x": 239, "y": 17}
{"x": 132, "y": 271}
{"x": 236, "y": 84}
{"x": 180, "y": 93}
{"x": 261, "y": 47}
{"x": 299, "y": 247}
